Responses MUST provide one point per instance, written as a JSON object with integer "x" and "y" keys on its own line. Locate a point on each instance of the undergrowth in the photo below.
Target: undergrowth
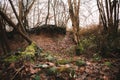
{"x": 28, "y": 54}
{"x": 87, "y": 43}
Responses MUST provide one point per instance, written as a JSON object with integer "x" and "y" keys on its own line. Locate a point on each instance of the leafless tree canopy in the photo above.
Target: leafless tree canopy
{"x": 109, "y": 13}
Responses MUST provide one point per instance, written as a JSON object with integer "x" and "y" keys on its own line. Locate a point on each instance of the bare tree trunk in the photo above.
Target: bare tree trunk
{"x": 109, "y": 14}
{"x": 38, "y": 13}
{"x": 3, "y": 15}
{"x": 54, "y": 10}
{"x": 46, "y": 20}
{"x": 23, "y": 14}
{"x": 4, "y": 41}
{"x": 74, "y": 16}
{"x": 19, "y": 20}
{"x": 34, "y": 16}
{"x": 29, "y": 8}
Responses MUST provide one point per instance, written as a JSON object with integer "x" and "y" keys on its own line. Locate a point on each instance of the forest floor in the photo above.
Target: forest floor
{"x": 54, "y": 43}
{"x": 62, "y": 48}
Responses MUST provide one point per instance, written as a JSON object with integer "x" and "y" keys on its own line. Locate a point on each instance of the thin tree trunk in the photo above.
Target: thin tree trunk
{"x": 4, "y": 41}
{"x": 54, "y": 11}
{"x": 19, "y": 20}
{"x": 4, "y": 16}
{"x": 28, "y": 10}
{"x": 74, "y": 15}
{"x": 46, "y": 20}
{"x": 110, "y": 16}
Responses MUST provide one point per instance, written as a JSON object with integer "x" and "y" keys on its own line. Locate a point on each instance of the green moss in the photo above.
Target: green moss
{"x": 109, "y": 64}
{"x": 30, "y": 50}
{"x": 12, "y": 58}
{"x": 63, "y": 61}
{"x": 28, "y": 53}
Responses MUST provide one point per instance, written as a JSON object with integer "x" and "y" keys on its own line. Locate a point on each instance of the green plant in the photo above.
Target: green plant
{"x": 80, "y": 63}
{"x": 85, "y": 43}
{"x": 28, "y": 53}
{"x": 81, "y": 47}
{"x": 41, "y": 66}
{"x": 11, "y": 58}
{"x": 38, "y": 51}
{"x": 72, "y": 73}
{"x": 63, "y": 61}
{"x": 70, "y": 50}
{"x": 37, "y": 77}
{"x": 109, "y": 64}
{"x": 96, "y": 57}
{"x": 51, "y": 71}
{"x": 49, "y": 58}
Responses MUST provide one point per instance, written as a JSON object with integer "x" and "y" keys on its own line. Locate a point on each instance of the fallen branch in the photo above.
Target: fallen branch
{"x": 17, "y": 72}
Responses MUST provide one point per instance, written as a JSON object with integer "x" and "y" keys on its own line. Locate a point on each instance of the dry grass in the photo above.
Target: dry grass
{"x": 91, "y": 29}
{"x": 88, "y": 30}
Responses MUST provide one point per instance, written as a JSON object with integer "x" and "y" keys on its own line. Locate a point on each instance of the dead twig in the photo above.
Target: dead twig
{"x": 17, "y": 72}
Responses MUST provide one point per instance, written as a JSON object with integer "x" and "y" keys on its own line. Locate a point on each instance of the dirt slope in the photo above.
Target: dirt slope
{"x": 54, "y": 43}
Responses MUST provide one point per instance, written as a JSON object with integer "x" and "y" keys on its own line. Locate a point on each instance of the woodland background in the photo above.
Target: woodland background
{"x": 60, "y": 39}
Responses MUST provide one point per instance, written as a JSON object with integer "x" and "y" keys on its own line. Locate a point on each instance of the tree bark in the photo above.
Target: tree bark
{"x": 19, "y": 20}
{"x": 109, "y": 14}
{"x": 4, "y": 16}
{"x": 46, "y": 20}
{"x": 3, "y": 40}
{"x": 74, "y": 16}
